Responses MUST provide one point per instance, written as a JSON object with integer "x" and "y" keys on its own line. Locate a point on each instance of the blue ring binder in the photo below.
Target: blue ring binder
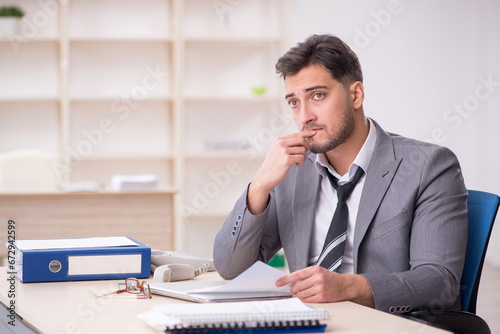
{"x": 83, "y": 263}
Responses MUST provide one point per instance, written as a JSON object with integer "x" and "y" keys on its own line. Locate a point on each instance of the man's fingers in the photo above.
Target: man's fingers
{"x": 302, "y": 134}
{"x": 298, "y": 275}
{"x": 285, "y": 152}
{"x": 297, "y": 150}
{"x": 296, "y": 139}
{"x": 308, "y": 133}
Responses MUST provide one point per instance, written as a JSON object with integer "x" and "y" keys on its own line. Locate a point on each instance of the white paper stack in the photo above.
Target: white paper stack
{"x": 71, "y": 187}
{"x": 143, "y": 182}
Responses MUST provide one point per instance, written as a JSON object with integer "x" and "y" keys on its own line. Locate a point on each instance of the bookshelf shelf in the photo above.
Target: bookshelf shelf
{"x": 19, "y": 40}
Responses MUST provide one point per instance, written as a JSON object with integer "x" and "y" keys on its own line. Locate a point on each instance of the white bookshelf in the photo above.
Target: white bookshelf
{"x": 134, "y": 87}
{"x": 229, "y": 48}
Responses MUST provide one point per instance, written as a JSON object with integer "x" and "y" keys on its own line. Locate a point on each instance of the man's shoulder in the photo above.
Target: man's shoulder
{"x": 409, "y": 150}
{"x": 417, "y": 156}
{"x": 403, "y": 145}
{"x": 400, "y": 140}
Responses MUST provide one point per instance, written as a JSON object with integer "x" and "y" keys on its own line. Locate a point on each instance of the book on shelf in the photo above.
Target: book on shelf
{"x": 269, "y": 316}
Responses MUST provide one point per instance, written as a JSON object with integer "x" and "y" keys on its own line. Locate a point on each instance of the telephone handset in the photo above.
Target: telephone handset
{"x": 170, "y": 266}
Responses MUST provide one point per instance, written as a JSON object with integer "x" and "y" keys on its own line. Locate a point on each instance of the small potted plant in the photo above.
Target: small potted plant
{"x": 9, "y": 20}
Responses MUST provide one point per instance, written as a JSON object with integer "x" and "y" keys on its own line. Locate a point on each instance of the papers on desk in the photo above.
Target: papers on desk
{"x": 283, "y": 315}
{"x": 29, "y": 244}
{"x": 257, "y": 282}
{"x": 259, "y": 277}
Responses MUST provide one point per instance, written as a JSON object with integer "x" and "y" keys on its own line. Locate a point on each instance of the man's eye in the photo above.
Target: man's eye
{"x": 318, "y": 96}
{"x": 292, "y": 103}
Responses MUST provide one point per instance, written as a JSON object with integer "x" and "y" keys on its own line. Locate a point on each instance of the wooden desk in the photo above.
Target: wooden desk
{"x": 69, "y": 308}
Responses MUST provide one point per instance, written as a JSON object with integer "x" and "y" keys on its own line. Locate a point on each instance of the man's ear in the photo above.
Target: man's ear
{"x": 357, "y": 94}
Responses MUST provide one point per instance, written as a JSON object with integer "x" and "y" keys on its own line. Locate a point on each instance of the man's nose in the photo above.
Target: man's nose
{"x": 306, "y": 114}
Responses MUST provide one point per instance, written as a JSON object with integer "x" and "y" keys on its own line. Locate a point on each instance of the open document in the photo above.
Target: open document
{"x": 257, "y": 282}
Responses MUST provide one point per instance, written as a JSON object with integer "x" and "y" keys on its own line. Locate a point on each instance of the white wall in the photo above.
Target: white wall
{"x": 425, "y": 65}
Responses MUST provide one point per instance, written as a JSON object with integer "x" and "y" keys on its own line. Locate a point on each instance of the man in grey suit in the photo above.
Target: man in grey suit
{"x": 404, "y": 244}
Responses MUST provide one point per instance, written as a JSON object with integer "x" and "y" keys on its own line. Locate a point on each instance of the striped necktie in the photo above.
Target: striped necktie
{"x": 333, "y": 249}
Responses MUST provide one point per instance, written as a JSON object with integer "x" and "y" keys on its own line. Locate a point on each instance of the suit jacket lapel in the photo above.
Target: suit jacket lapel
{"x": 381, "y": 171}
{"x": 304, "y": 204}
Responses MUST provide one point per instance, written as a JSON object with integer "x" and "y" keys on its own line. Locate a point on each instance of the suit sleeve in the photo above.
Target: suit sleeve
{"x": 245, "y": 238}
{"x": 437, "y": 242}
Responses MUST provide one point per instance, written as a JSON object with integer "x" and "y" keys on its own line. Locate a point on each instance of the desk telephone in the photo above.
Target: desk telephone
{"x": 169, "y": 266}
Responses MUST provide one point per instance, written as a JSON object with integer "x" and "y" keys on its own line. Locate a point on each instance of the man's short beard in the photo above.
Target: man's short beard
{"x": 347, "y": 125}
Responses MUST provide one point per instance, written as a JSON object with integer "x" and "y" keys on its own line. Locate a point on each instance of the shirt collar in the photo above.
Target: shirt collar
{"x": 362, "y": 159}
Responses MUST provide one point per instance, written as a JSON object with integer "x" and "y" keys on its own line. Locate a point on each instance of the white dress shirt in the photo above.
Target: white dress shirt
{"x": 327, "y": 201}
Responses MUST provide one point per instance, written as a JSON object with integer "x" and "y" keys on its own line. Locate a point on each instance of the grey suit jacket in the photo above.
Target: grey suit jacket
{"x": 410, "y": 234}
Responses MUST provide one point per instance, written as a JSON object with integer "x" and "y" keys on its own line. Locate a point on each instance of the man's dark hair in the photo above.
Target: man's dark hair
{"x": 327, "y": 51}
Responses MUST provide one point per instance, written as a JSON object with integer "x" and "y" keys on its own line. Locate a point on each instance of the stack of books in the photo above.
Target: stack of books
{"x": 289, "y": 315}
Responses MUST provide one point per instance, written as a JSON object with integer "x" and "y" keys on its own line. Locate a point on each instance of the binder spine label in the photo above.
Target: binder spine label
{"x": 104, "y": 264}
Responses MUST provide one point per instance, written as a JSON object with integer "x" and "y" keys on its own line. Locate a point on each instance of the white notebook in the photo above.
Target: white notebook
{"x": 251, "y": 314}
